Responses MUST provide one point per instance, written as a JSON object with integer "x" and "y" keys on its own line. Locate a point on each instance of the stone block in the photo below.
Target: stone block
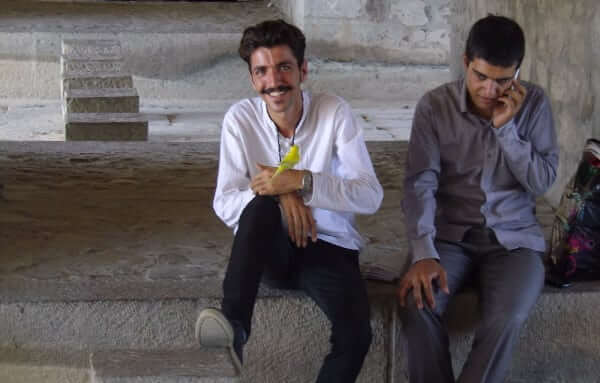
{"x": 106, "y": 127}
{"x": 196, "y": 362}
{"x": 91, "y": 49}
{"x": 71, "y": 68}
{"x": 98, "y": 80}
{"x": 410, "y": 13}
{"x": 103, "y": 100}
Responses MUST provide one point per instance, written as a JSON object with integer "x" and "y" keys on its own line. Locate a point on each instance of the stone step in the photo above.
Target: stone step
{"x": 82, "y": 67}
{"x": 97, "y": 80}
{"x": 138, "y": 253}
{"x": 130, "y": 234}
{"x": 102, "y": 100}
{"x": 106, "y": 127}
{"x": 112, "y": 366}
{"x": 188, "y": 121}
{"x": 194, "y": 52}
{"x": 285, "y": 328}
{"x": 86, "y": 49}
{"x": 59, "y": 364}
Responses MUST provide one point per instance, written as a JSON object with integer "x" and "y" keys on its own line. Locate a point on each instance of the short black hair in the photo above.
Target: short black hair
{"x": 498, "y": 40}
{"x": 269, "y": 34}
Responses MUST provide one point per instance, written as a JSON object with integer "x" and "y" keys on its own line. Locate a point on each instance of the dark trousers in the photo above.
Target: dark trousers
{"x": 508, "y": 283}
{"x": 327, "y": 273}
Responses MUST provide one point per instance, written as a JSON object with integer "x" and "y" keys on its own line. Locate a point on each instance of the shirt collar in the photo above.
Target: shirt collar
{"x": 305, "y": 109}
{"x": 464, "y": 94}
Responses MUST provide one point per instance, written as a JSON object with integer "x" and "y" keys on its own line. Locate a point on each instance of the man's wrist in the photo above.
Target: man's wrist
{"x": 306, "y": 187}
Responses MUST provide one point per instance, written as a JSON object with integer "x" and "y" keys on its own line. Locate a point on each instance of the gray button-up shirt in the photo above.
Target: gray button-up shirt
{"x": 463, "y": 172}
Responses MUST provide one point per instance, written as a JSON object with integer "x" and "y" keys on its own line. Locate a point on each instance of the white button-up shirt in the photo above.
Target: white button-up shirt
{"x": 331, "y": 146}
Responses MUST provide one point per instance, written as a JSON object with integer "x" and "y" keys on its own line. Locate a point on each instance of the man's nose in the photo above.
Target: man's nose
{"x": 491, "y": 88}
{"x": 273, "y": 78}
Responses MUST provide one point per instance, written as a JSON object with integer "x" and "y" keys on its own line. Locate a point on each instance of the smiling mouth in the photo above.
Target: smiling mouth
{"x": 276, "y": 92}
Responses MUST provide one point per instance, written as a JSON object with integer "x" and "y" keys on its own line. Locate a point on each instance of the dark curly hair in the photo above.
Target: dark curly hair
{"x": 498, "y": 40}
{"x": 269, "y": 34}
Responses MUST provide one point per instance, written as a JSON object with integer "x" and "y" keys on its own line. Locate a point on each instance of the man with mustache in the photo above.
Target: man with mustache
{"x": 481, "y": 149}
{"x": 294, "y": 230}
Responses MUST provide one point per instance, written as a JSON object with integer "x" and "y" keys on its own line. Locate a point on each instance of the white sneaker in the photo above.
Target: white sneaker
{"x": 214, "y": 330}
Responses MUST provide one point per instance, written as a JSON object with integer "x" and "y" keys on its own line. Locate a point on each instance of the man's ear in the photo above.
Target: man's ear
{"x": 465, "y": 62}
{"x": 252, "y": 80}
{"x": 303, "y": 70}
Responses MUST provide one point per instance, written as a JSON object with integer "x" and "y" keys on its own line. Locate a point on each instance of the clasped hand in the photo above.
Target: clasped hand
{"x": 298, "y": 216}
{"x": 264, "y": 184}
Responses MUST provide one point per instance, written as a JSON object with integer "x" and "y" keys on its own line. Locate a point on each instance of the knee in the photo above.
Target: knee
{"x": 261, "y": 208}
{"x": 353, "y": 335}
{"x": 507, "y": 319}
{"x": 411, "y": 314}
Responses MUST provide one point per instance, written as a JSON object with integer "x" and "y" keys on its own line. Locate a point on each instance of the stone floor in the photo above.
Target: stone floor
{"x": 41, "y": 120}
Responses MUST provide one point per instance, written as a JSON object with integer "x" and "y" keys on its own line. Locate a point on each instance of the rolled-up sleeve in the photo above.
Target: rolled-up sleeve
{"x": 421, "y": 184}
{"x": 355, "y": 188}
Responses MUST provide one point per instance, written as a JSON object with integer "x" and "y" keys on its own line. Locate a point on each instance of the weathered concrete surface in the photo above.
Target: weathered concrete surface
{"x": 390, "y": 31}
{"x": 132, "y": 208}
{"x": 290, "y": 334}
{"x": 564, "y": 61}
{"x": 227, "y": 78}
{"x": 190, "y": 52}
{"x": 102, "y": 100}
{"x": 190, "y": 121}
{"x": 82, "y": 49}
{"x": 90, "y": 67}
{"x": 197, "y": 362}
{"x": 98, "y": 80}
{"x": 148, "y": 233}
{"x": 106, "y": 127}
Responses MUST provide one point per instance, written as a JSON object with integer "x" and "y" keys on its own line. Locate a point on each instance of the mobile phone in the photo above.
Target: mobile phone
{"x": 515, "y": 77}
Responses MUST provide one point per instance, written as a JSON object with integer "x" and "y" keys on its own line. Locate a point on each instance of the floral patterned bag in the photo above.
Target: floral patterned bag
{"x": 575, "y": 251}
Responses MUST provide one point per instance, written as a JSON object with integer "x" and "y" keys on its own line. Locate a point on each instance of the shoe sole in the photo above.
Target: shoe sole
{"x": 214, "y": 330}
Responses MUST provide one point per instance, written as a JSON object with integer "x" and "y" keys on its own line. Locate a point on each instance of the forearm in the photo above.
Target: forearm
{"x": 362, "y": 195}
{"x": 535, "y": 171}
{"x": 419, "y": 206}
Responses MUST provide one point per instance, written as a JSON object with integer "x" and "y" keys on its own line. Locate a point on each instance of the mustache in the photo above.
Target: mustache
{"x": 281, "y": 88}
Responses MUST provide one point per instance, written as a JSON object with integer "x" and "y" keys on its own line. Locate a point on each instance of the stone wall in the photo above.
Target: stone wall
{"x": 390, "y": 31}
{"x": 562, "y": 52}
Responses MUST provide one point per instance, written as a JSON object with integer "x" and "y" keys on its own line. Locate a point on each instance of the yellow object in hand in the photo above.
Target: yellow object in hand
{"x": 289, "y": 161}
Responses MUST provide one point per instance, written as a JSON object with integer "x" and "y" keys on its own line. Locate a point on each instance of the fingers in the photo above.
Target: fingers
{"x": 290, "y": 221}
{"x": 298, "y": 227}
{"x": 305, "y": 227}
{"x": 299, "y": 219}
{"x": 420, "y": 279}
{"x": 418, "y": 297}
{"x": 313, "y": 226}
{"x": 444, "y": 282}
{"x": 427, "y": 287}
{"x": 402, "y": 291}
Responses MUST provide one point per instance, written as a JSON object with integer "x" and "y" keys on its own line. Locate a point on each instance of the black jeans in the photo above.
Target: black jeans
{"x": 327, "y": 273}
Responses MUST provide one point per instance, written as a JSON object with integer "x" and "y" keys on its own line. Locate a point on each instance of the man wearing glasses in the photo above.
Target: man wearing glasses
{"x": 481, "y": 149}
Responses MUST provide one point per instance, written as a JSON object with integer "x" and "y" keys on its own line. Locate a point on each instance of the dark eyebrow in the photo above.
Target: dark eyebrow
{"x": 286, "y": 62}
{"x": 502, "y": 79}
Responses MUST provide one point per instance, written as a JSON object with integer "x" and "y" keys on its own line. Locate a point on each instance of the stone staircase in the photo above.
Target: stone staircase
{"x": 98, "y": 98}
{"x": 108, "y": 250}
